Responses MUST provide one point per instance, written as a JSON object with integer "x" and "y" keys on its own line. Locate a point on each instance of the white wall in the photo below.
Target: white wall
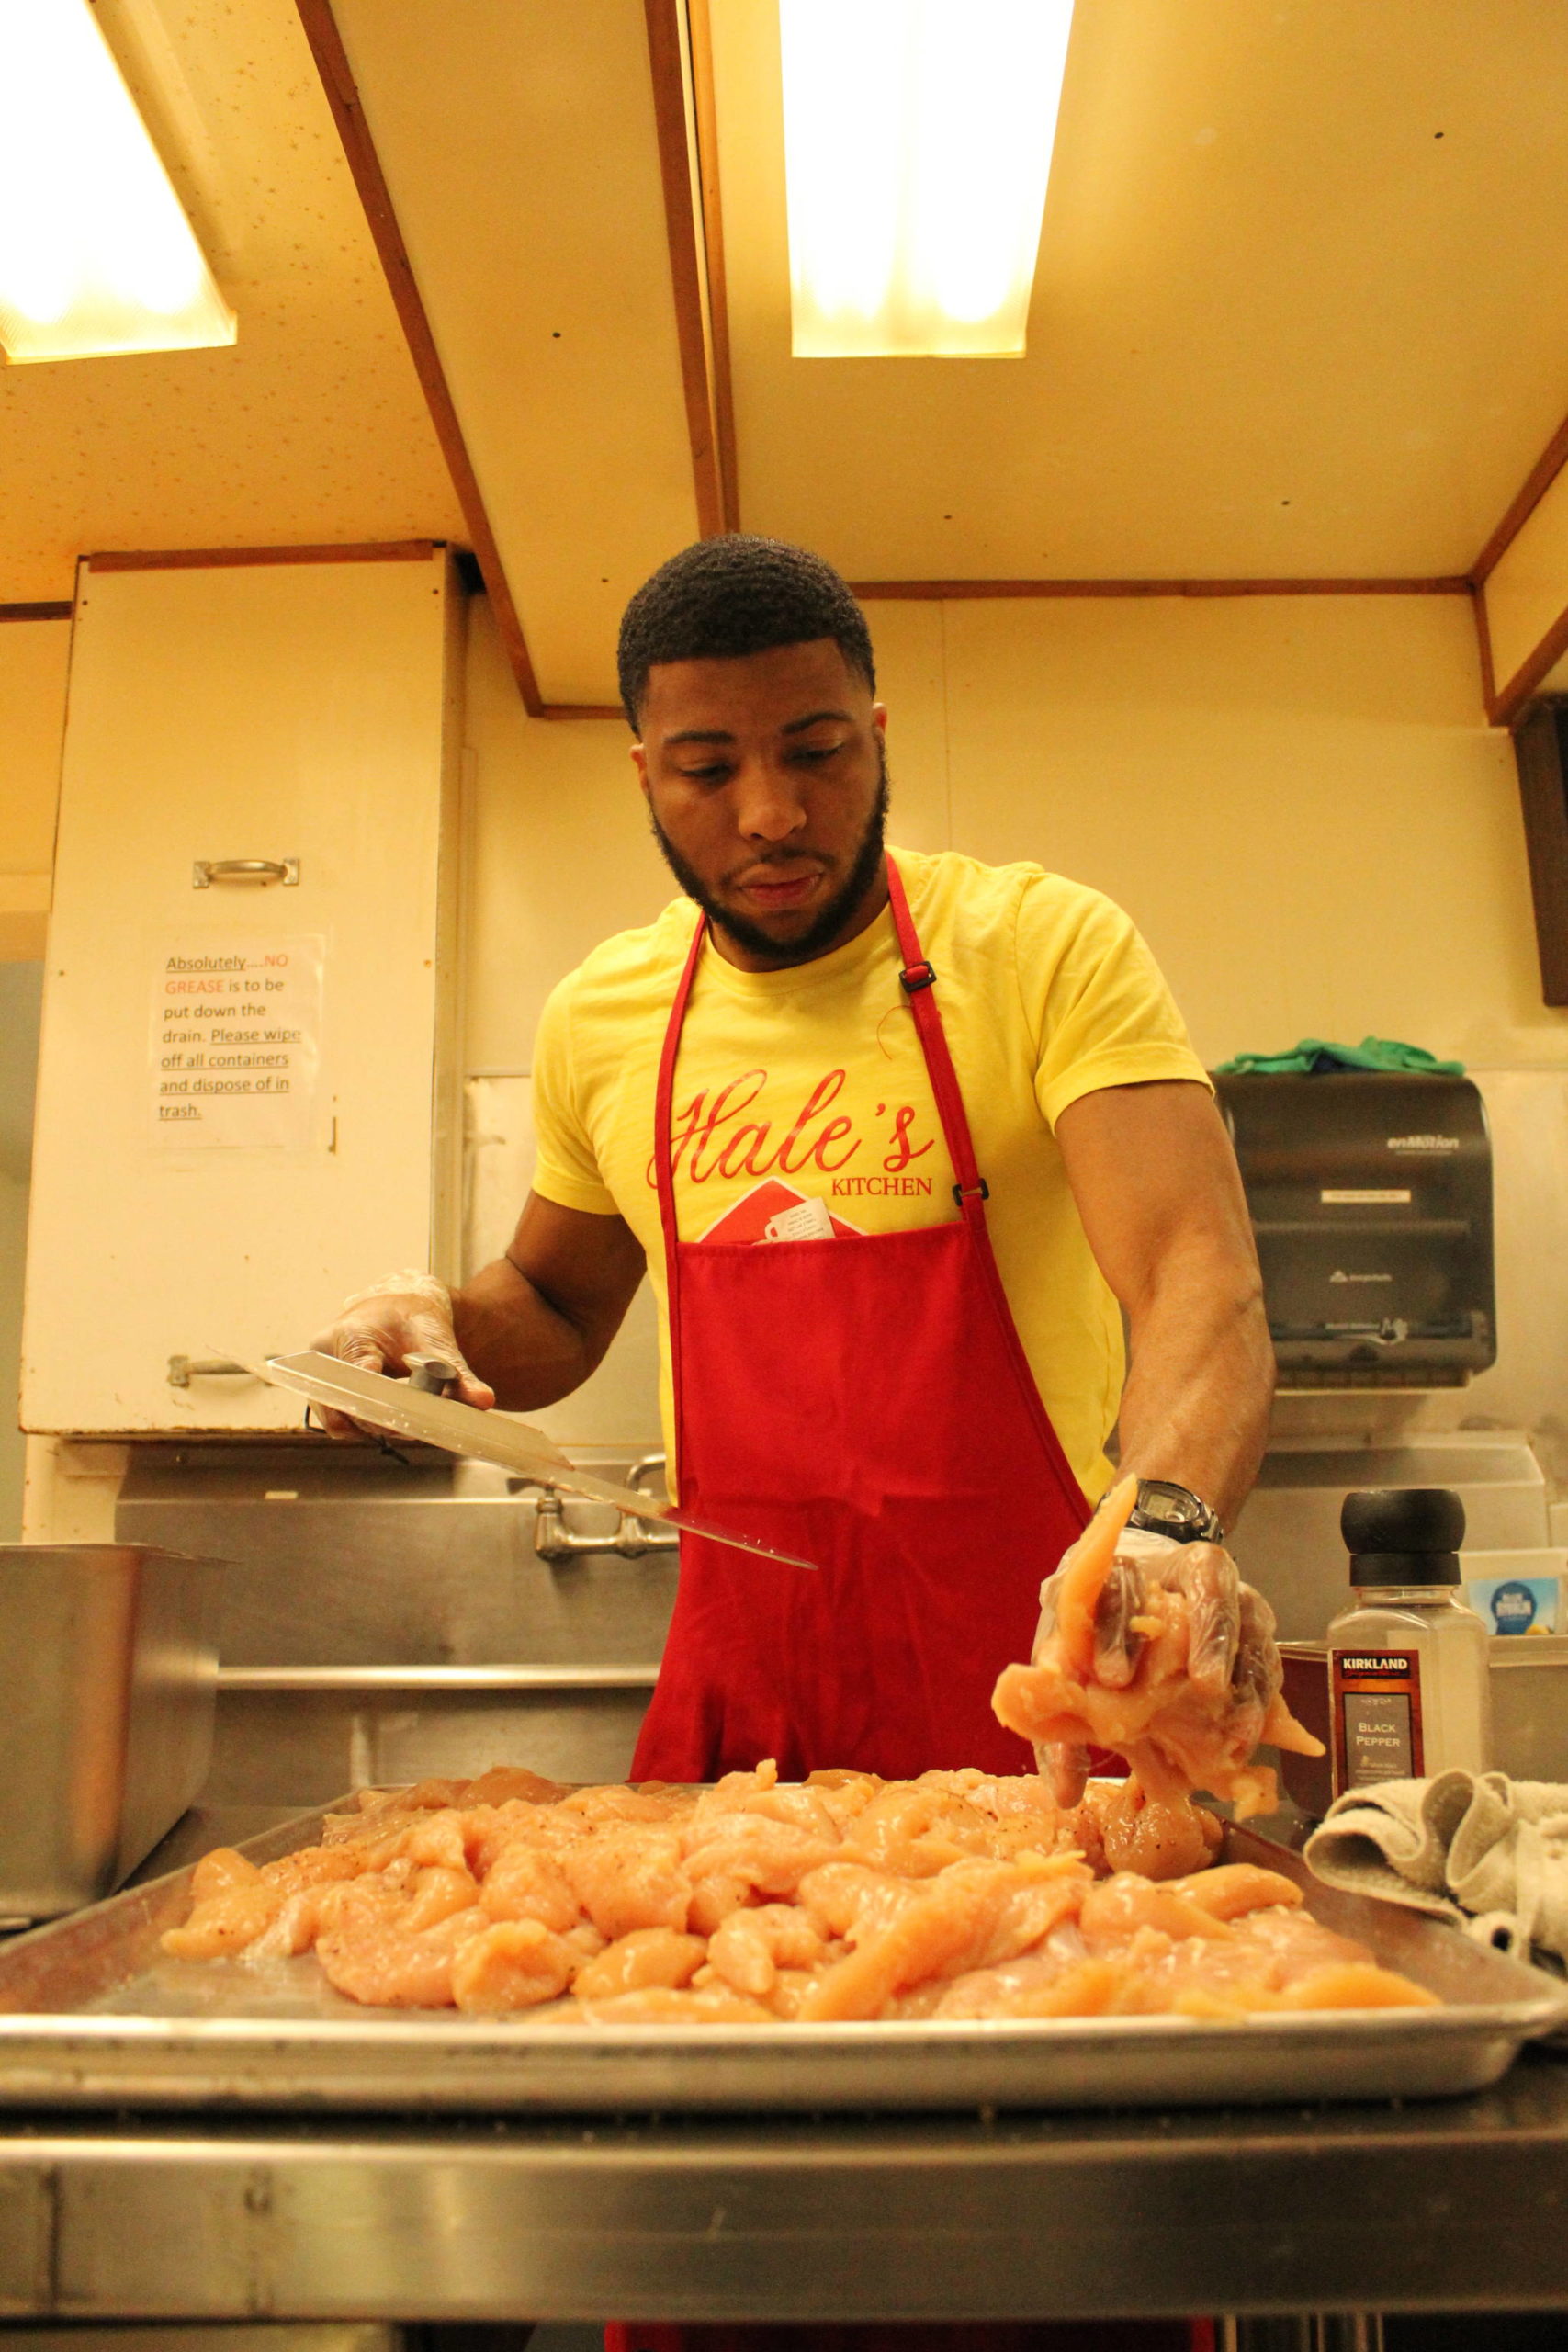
{"x": 21, "y": 992}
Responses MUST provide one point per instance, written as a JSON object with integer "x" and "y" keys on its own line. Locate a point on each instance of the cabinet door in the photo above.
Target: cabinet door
{"x": 245, "y": 1094}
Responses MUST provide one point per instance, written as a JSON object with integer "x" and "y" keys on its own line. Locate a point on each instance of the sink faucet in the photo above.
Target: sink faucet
{"x": 554, "y": 1541}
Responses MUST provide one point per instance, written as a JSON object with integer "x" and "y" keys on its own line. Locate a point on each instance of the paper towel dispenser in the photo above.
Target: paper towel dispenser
{"x": 1371, "y": 1195}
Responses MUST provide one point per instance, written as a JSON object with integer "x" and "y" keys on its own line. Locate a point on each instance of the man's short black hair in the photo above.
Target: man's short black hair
{"x": 727, "y": 597}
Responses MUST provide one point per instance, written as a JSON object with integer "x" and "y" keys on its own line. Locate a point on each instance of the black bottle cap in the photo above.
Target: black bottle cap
{"x": 1402, "y": 1534}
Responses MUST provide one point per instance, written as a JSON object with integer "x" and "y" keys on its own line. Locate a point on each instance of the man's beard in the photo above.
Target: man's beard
{"x": 829, "y": 919}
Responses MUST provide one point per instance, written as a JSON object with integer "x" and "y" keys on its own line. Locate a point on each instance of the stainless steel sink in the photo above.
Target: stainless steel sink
{"x": 387, "y": 1619}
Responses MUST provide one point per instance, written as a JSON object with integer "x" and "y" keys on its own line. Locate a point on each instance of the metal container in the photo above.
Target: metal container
{"x": 384, "y": 1618}
{"x": 108, "y": 1662}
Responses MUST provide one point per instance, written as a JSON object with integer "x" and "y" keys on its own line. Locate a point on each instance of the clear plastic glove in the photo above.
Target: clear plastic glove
{"x": 1230, "y": 1631}
{"x": 404, "y": 1314}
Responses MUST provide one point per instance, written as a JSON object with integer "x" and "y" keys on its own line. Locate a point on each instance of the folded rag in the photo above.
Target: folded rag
{"x": 1473, "y": 1847}
{"x": 1313, "y": 1056}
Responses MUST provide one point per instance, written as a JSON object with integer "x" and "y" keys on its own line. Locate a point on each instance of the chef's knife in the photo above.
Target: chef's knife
{"x": 492, "y": 1437}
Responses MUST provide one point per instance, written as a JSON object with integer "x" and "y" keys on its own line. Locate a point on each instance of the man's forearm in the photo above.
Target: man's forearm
{"x": 1195, "y": 1409}
{"x": 529, "y": 1352}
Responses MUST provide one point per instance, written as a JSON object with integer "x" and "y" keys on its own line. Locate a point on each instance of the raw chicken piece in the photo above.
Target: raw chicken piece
{"x": 1114, "y": 1911}
{"x": 628, "y": 1877}
{"x": 220, "y": 1870}
{"x": 713, "y": 1900}
{"x": 972, "y": 1915}
{"x": 524, "y": 1882}
{"x": 748, "y": 1948}
{"x": 845, "y": 1793}
{"x": 436, "y": 1893}
{"x": 907, "y": 1829}
{"x": 513, "y": 1964}
{"x": 1229, "y": 1889}
{"x": 508, "y": 1784}
{"x": 704, "y": 2004}
{"x": 1042, "y": 1984}
{"x": 771, "y": 1856}
{"x": 648, "y": 1956}
{"x": 1125, "y": 1831}
{"x": 613, "y": 1803}
{"x": 1356, "y": 1985}
{"x": 372, "y": 1957}
{"x": 226, "y": 1922}
{"x": 958, "y": 1897}
{"x": 1151, "y": 1669}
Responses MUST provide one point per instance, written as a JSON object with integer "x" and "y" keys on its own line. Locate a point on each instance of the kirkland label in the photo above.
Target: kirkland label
{"x": 1377, "y": 1717}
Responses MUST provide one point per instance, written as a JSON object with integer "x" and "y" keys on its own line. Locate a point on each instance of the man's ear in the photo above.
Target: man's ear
{"x": 639, "y": 762}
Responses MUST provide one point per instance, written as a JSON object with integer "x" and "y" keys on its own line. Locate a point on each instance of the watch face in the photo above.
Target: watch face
{"x": 1166, "y": 1508}
{"x": 1171, "y": 1505}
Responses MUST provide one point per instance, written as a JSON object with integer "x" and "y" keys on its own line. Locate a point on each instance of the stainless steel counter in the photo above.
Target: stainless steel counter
{"x": 1437, "y": 2207}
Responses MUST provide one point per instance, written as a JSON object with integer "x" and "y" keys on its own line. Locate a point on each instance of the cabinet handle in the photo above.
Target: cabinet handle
{"x": 208, "y": 870}
{"x": 183, "y": 1369}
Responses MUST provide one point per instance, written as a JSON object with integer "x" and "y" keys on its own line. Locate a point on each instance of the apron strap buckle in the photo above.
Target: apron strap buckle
{"x": 978, "y": 1190}
{"x": 916, "y": 976}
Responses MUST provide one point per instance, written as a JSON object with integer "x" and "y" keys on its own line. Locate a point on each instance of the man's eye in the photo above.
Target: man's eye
{"x": 813, "y": 754}
{"x": 714, "y": 774}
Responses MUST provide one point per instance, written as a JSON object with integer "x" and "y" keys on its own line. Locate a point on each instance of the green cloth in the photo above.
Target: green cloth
{"x": 1313, "y": 1057}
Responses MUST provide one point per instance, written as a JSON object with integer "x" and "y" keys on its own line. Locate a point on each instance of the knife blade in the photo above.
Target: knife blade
{"x": 486, "y": 1437}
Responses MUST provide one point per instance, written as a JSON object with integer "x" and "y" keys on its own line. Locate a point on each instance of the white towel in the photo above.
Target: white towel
{"x": 1473, "y": 1847}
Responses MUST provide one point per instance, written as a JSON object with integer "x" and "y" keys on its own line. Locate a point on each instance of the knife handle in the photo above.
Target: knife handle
{"x": 434, "y": 1374}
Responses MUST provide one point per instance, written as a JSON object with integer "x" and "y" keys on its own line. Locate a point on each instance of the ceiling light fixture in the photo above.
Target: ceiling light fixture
{"x": 96, "y": 253}
{"x": 918, "y": 139}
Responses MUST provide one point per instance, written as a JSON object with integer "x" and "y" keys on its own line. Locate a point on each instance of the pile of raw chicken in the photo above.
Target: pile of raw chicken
{"x": 957, "y": 1895}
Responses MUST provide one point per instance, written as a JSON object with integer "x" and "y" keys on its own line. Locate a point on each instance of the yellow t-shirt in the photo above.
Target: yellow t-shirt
{"x": 809, "y": 1085}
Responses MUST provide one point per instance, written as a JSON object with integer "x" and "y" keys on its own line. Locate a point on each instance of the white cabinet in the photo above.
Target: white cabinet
{"x": 247, "y": 1099}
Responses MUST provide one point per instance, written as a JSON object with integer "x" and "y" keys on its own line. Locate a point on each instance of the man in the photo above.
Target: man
{"x": 895, "y": 1136}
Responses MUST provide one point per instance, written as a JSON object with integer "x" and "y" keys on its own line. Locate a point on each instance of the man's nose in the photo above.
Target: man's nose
{"x": 767, "y": 805}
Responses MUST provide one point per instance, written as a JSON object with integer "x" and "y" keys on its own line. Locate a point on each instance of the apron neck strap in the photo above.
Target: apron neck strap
{"x": 917, "y": 980}
{"x": 664, "y": 1099}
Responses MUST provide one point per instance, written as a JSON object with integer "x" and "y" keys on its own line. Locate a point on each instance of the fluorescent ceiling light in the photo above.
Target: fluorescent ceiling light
{"x": 96, "y": 253}
{"x": 917, "y": 147}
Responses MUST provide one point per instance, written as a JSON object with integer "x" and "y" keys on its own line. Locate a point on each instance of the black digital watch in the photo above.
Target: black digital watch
{"x": 1164, "y": 1509}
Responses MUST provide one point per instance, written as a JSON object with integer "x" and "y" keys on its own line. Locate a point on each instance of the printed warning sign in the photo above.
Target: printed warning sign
{"x": 235, "y": 1055}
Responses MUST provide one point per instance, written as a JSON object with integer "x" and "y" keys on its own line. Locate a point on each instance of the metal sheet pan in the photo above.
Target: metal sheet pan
{"x": 93, "y": 2014}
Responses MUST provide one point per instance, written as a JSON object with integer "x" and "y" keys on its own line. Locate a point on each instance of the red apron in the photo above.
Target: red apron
{"x": 865, "y": 1403}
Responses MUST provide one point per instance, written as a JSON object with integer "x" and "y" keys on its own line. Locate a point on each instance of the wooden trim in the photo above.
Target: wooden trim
{"x": 1509, "y": 700}
{"x": 1531, "y": 490}
{"x": 37, "y": 612}
{"x": 1484, "y": 645}
{"x": 663, "y": 21}
{"x": 580, "y": 710}
{"x": 1540, "y": 746}
{"x": 221, "y": 559}
{"x": 337, "y": 80}
{"x": 953, "y": 591}
{"x": 699, "y": 27}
